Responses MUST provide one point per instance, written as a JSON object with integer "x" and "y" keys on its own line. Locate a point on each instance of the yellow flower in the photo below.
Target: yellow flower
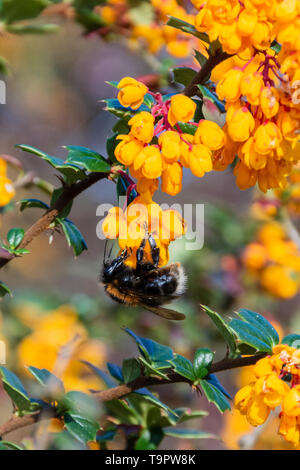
{"x": 7, "y": 191}
{"x": 59, "y": 331}
{"x": 291, "y": 403}
{"x": 182, "y": 109}
{"x": 290, "y": 429}
{"x": 127, "y": 150}
{"x": 266, "y": 138}
{"x": 210, "y": 134}
{"x": 131, "y": 93}
{"x": 251, "y": 86}
{"x": 269, "y": 102}
{"x": 254, "y": 256}
{"x": 229, "y": 87}
{"x": 142, "y": 126}
{"x": 169, "y": 142}
{"x": 240, "y": 124}
{"x": 149, "y": 160}
{"x": 171, "y": 179}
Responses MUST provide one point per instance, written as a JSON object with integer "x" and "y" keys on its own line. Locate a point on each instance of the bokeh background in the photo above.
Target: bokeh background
{"x": 55, "y": 89}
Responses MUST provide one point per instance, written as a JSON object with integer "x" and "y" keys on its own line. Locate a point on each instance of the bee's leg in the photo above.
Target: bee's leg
{"x": 140, "y": 255}
{"x": 154, "y": 250}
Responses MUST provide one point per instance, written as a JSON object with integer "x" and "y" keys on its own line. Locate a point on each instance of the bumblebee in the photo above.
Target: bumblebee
{"x": 146, "y": 285}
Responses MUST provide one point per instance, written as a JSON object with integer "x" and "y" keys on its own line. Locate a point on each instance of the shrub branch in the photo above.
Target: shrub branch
{"x": 120, "y": 391}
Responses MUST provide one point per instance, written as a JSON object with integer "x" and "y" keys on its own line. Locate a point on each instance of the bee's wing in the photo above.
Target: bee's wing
{"x": 167, "y": 313}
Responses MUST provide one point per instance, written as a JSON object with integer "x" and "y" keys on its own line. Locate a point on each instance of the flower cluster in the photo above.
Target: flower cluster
{"x": 276, "y": 383}
{"x": 131, "y": 225}
{"x": 7, "y": 191}
{"x": 274, "y": 260}
{"x": 59, "y": 342}
{"x": 151, "y": 29}
{"x": 262, "y": 119}
{"x": 157, "y": 147}
{"x": 251, "y": 25}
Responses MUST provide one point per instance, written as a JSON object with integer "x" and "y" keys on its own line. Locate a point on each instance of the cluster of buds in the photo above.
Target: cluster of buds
{"x": 7, "y": 191}
{"x": 276, "y": 383}
{"x": 274, "y": 260}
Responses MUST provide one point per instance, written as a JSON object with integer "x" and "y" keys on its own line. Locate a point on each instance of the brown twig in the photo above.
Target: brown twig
{"x": 204, "y": 72}
{"x": 69, "y": 193}
{"x": 17, "y": 422}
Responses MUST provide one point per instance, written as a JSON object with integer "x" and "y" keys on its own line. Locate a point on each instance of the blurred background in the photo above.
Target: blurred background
{"x": 55, "y": 89}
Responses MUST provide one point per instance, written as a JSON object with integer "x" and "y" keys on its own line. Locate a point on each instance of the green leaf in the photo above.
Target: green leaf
{"x": 187, "y": 28}
{"x": 188, "y": 434}
{"x": 261, "y": 323}
{"x": 187, "y": 128}
{"x": 292, "y": 340}
{"x": 14, "y": 237}
{"x": 131, "y": 370}
{"x": 14, "y": 388}
{"x": 123, "y": 413}
{"x": 186, "y": 414}
{"x": 47, "y": 379}
{"x": 250, "y": 335}
{"x": 201, "y": 59}
{"x": 214, "y": 395}
{"x": 26, "y": 203}
{"x": 4, "y": 289}
{"x": 79, "y": 403}
{"x": 70, "y": 171}
{"x": 111, "y": 144}
{"x": 6, "y": 445}
{"x": 73, "y": 236}
{"x": 32, "y": 28}
{"x": 81, "y": 428}
{"x": 202, "y": 362}
{"x": 144, "y": 441}
{"x": 223, "y": 329}
{"x": 156, "y": 353}
{"x": 17, "y": 10}
{"x": 183, "y": 367}
{"x": 184, "y": 75}
{"x": 115, "y": 107}
{"x": 87, "y": 158}
{"x": 206, "y": 93}
{"x": 150, "y": 369}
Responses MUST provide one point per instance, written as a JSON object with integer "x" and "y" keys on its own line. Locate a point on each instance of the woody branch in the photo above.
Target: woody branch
{"x": 17, "y": 422}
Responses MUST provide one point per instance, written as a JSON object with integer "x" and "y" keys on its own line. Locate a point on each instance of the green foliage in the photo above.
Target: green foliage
{"x": 254, "y": 330}
{"x": 202, "y": 362}
{"x": 54, "y": 386}
{"x": 17, "y": 10}
{"x": 223, "y": 328}
{"x": 70, "y": 171}
{"x": 88, "y": 159}
{"x": 187, "y": 28}
{"x": 183, "y": 75}
{"x": 131, "y": 369}
{"x": 4, "y": 289}
{"x": 15, "y": 389}
{"x": 214, "y": 395}
{"x": 27, "y": 203}
{"x": 292, "y": 340}
{"x": 15, "y": 237}
{"x": 73, "y": 236}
